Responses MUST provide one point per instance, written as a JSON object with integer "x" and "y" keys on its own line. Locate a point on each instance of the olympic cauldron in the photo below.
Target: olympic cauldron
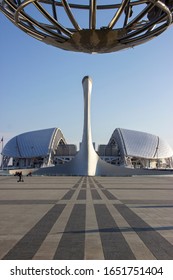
{"x": 90, "y": 26}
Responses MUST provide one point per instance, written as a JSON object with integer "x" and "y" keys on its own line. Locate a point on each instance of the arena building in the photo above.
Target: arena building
{"x": 136, "y": 149}
{"x": 37, "y": 149}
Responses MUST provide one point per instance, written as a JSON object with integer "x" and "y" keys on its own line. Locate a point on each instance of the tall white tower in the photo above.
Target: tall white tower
{"x": 86, "y": 159}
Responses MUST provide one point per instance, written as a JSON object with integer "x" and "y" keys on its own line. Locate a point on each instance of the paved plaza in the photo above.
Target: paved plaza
{"x": 86, "y": 218}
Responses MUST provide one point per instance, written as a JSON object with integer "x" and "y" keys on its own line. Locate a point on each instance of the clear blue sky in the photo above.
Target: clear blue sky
{"x": 41, "y": 87}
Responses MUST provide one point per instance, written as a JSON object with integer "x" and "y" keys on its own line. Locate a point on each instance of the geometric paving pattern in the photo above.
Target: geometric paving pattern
{"x": 76, "y": 218}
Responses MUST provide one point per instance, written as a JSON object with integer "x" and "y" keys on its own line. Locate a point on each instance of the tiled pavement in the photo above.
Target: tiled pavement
{"x": 86, "y": 218}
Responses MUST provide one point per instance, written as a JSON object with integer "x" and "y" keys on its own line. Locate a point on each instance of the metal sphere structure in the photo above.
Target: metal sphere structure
{"x": 90, "y": 26}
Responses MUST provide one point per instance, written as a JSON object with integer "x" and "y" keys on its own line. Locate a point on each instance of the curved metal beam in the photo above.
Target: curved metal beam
{"x": 146, "y": 10}
{"x": 70, "y": 15}
{"x": 92, "y": 16}
{"x": 118, "y": 14}
{"x": 43, "y": 11}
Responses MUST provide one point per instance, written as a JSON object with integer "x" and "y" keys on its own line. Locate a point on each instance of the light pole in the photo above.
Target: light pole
{"x": 2, "y": 146}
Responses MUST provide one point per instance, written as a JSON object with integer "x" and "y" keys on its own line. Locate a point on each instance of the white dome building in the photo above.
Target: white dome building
{"x": 36, "y": 149}
{"x": 136, "y": 149}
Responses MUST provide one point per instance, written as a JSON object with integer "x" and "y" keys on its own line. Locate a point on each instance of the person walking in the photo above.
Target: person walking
{"x": 20, "y": 177}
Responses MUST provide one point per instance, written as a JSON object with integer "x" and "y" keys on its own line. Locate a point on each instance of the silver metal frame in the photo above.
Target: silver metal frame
{"x": 123, "y": 30}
